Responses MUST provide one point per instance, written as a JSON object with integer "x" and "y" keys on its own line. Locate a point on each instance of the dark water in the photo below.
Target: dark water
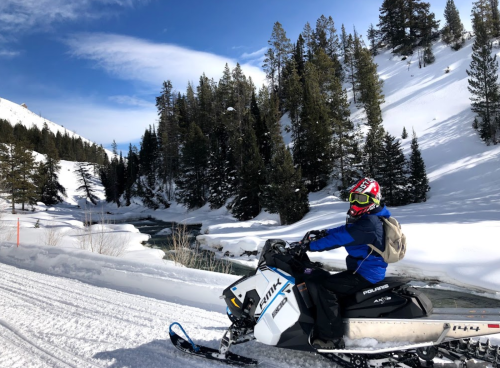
{"x": 153, "y": 226}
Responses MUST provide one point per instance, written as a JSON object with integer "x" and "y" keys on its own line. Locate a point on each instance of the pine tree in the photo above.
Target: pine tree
{"x": 345, "y": 141}
{"x": 453, "y": 29}
{"x": 132, "y": 173}
{"x": 50, "y": 190}
{"x": 495, "y": 18}
{"x": 483, "y": 76}
{"x": 285, "y": 194}
{"x": 419, "y": 184}
{"x": 373, "y": 39}
{"x": 405, "y": 24}
{"x": 85, "y": 180}
{"x": 326, "y": 39}
{"x": 276, "y": 57}
{"x": 192, "y": 186}
{"x": 350, "y": 64}
{"x": 393, "y": 171}
{"x": 259, "y": 125}
{"x": 17, "y": 171}
{"x": 486, "y": 12}
{"x": 392, "y": 23}
{"x": 247, "y": 203}
{"x": 404, "y": 135}
{"x": 168, "y": 137}
{"x": 315, "y": 147}
{"x": 371, "y": 97}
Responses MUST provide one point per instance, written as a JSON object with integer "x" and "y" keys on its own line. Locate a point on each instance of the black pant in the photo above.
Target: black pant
{"x": 325, "y": 291}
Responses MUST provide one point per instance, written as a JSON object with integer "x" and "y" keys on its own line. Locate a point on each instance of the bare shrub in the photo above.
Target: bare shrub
{"x": 52, "y": 236}
{"x": 99, "y": 238}
{"x": 193, "y": 257}
{"x": 7, "y": 233}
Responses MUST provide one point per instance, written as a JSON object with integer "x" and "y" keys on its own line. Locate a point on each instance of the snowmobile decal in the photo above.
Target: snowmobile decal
{"x": 237, "y": 306}
{"x": 279, "y": 293}
{"x": 269, "y": 294}
{"x": 378, "y": 288}
{"x": 278, "y": 308}
{"x": 382, "y": 300}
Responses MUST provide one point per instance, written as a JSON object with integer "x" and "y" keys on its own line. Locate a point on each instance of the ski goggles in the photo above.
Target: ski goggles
{"x": 362, "y": 198}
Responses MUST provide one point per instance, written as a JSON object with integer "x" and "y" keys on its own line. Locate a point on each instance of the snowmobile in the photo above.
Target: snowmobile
{"x": 388, "y": 324}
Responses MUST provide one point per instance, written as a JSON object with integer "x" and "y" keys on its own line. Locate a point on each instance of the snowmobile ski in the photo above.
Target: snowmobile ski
{"x": 187, "y": 346}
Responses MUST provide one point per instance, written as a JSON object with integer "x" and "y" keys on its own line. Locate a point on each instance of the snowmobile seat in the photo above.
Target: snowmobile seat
{"x": 387, "y": 284}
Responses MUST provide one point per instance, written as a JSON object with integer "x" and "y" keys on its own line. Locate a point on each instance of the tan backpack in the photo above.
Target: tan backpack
{"x": 395, "y": 241}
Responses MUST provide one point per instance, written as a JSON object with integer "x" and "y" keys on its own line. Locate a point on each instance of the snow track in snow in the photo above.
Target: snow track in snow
{"x": 48, "y": 321}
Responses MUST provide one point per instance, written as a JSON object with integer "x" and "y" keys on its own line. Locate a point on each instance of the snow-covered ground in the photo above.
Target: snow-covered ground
{"x": 83, "y": 309}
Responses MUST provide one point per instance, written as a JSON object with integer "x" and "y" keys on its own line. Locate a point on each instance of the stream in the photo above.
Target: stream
{"x": 162, "y": 239}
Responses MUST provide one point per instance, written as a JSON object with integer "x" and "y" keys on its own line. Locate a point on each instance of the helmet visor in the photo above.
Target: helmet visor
{"x": 361, "y": 198}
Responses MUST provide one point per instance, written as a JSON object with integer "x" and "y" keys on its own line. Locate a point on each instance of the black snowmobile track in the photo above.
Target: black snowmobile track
{"x": 209, "y": 353}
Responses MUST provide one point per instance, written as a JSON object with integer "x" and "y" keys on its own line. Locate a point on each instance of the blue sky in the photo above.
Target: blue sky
{"x": 96, "y": 66}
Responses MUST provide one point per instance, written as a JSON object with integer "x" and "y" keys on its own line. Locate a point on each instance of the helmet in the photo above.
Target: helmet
{"x": 364, "y": 197}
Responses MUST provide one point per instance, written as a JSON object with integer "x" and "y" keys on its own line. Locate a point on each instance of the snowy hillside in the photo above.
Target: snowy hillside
{"x": 18, "y": 114}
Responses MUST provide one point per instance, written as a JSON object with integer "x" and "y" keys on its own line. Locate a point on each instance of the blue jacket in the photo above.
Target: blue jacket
{"x": 355, "y": 237}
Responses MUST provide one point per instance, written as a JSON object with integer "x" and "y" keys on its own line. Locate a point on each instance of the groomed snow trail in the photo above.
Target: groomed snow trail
{"x": 48, "y": 321}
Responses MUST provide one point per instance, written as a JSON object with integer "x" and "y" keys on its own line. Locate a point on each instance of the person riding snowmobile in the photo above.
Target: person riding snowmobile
{"x": 364, "y": 266}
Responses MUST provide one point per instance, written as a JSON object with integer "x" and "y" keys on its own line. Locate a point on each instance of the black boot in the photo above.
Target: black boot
{"x": 328, "y": 344}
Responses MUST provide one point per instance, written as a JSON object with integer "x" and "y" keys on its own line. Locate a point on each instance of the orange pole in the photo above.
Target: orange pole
{"x": 18, "y": 231}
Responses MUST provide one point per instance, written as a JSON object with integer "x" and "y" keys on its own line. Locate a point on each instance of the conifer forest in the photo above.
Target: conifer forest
{"x": 220, "y": 142}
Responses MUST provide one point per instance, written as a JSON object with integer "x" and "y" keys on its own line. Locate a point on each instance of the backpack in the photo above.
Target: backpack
{"x": 395, "y": 241}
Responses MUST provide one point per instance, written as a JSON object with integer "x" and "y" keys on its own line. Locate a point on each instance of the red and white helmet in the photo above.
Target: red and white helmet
{"x": 364, "y": 197}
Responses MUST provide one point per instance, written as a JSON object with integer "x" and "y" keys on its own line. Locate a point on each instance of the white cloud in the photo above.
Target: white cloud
{"x": 29, "y": 15}
{"x": 131, "y": 101}
{"x": 9, "y": 53}
{"x": 256, "y": 54}
{"x": 136, "y": 59}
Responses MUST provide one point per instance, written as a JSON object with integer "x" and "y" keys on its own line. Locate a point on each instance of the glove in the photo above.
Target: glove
{"x": 315, "y": 235}
{"x": 299, "y": 248}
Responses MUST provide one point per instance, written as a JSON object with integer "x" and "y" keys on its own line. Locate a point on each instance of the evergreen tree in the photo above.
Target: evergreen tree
{"x": 260, "y": 127}
{"x": 168, "y": 137}
{"x": 285, "y": 194}
{"x": 192, "y": 186}
{"x": 404, "y": 135}
{"x": 495, "y": 18}
{"x": 132, "y": 173}
{"x": 405, "y": 24}
{"x": 483, "y": 76}
{"x": 346, "y": 155}
{"x": 85, "y": 180}
{"x": 418, "y": 177}
{"x": 393, "y": 171}
{"x": 315, "y": 148}
{"x": 18, "y": 174}
{"x": 453, "y": 29}
{"x": 392, "y": 23}
{"x": 326, "y": 39}
{"x": 276, "y": 57}
{"x": 371, "y": 97}
{"x": 50, "y": 190}
{"x": 350, "y": 64}
{"x": 486, "y": 12}
{"x": 247, "y": 203}
{"x": 373, "y": 39}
